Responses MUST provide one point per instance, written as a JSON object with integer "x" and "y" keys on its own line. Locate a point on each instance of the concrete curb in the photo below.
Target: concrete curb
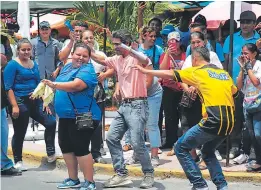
{"x": 135, "y": 171}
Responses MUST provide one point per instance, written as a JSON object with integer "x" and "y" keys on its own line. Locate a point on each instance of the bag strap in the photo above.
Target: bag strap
{"x": 75, "y": 110}
{"x": 153, "y": 56}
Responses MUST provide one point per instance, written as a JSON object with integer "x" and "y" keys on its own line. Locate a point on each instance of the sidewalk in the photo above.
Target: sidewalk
{"x": 169, "y": 166}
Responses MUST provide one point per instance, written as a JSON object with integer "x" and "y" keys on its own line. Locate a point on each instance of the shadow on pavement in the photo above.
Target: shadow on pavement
{"x": 44, "y": 166}
{"x": 136, "y": 184}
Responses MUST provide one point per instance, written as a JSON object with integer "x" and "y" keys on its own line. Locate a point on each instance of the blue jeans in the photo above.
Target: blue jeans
{"x": 6, "y": 162}
{"x": 192, "y": 139}
{"x": 133, "y": 116}
{"x": 127, "y": 138}
{"x": 154, "y": 103}
{"x": 34, "y": 109}
{"x": 253, "y": 124}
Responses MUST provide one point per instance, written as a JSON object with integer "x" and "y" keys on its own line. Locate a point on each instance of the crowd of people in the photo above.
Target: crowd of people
{"x": 184, "y": 79}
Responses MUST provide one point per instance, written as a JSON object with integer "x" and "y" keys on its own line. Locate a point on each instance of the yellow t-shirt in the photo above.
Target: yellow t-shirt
{"x": 216, "y": 90}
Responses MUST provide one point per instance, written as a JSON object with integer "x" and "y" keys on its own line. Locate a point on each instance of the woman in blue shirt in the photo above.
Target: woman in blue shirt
{"x": 77, "y": 80}
{"x": 21, "y": 77}
{"x": 148, "y": 46}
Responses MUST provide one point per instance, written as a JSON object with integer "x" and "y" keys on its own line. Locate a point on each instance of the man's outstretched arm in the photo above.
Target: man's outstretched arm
{"x": 165, "y": 74}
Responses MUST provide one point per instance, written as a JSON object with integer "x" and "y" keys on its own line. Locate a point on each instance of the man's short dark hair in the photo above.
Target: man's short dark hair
{"x": 82, "y": 24}
{"x": 124, "y": 35}
{"x": 203, "y": 52}
{"x": 198, "y": 25}
{"x": 155, "y": 19}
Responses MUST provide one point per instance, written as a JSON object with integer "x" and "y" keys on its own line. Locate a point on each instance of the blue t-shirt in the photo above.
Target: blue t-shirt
{"x": 21, "y": 80}
{"x": 159, "y": 42}
{"x": 82, "y": 100}
{"x": 219, "y": 51}
{"x": 238, "y": 43}
{"x": 149, "y": 52}
{"x": 184, "y": 36}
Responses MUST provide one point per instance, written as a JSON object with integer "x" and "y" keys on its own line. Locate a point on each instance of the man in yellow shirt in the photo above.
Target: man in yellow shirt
{"x": 216, "y": 90}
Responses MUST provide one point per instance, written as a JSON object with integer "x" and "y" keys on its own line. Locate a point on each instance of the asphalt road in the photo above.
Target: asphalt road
{"x": 43, "y": 178}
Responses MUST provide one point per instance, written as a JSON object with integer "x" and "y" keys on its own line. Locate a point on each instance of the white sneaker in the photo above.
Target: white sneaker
{"x": 218, "y": 156}
{"x": 131, "y": 161}
{"x": 155, "y": 161}
{"x": 20, "y": 166}
{"x": 242, "y": 158}
{"x": 52, "y": 158}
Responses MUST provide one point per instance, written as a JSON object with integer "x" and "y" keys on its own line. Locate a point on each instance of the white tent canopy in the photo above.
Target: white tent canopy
{"x": 13, "y": 5}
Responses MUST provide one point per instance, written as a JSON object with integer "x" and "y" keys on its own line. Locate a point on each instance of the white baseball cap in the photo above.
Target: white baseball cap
{"x": 174, "y": 35}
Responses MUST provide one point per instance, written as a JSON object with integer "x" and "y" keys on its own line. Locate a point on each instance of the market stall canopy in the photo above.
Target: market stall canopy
{"x": 37, "y": 6}
{"x": 191, "y": 5}
{"x": 54, "y": 12}
{"x": 218, "y": 12}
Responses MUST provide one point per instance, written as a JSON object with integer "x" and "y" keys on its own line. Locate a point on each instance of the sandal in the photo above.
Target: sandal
{"x": 171, "y": 153}
{"x": 202, "y": 166}
{"x": 126, "y": 147}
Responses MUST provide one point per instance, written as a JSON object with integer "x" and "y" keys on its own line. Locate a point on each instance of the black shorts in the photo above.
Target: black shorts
{"x": 72, "y": 140}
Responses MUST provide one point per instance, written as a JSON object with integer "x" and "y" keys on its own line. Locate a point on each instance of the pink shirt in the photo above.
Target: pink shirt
{"x": 131, "y": 81}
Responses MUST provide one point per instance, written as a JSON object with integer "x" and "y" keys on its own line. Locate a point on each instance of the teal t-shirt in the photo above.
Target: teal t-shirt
{"x": 149, "y": 52}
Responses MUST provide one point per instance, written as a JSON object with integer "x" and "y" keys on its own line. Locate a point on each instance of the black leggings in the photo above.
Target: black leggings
{"x": 73, "y": 141}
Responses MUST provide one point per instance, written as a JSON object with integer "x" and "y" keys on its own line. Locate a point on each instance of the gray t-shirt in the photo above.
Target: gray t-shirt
{"x": 154, "y": 88}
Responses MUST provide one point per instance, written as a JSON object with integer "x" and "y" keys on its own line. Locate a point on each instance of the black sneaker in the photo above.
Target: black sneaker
{"x": 11, "y": 172}
{"x": 100, "y": 160}
{"x": 103, "y": 152}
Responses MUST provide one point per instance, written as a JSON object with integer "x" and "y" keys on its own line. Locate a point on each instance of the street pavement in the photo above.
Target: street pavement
{"x": 41, "y": 177}
{"x": 166, "y": 162}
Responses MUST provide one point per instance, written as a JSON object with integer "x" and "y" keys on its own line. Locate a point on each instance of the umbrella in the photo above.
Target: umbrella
{"x": 218, "y": 12}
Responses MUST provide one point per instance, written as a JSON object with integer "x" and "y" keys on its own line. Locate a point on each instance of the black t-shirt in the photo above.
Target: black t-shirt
{"x": 4, "y": 99}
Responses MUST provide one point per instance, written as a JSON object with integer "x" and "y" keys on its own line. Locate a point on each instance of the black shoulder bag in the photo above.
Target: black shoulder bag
{"x": 83, "y": 121}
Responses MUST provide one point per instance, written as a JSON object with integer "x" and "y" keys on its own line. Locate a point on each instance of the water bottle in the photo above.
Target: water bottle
{"x": 67, "y": 23}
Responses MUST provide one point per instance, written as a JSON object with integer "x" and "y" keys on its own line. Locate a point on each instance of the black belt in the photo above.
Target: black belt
{"x": 129, "y": 100}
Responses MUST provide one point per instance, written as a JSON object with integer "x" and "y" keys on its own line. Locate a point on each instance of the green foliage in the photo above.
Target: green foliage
{"x": 121, "y": 14}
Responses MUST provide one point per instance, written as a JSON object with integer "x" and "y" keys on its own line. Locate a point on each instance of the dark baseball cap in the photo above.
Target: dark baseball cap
{"x": 247, "y": 15}
{"x": 44, "y": 24}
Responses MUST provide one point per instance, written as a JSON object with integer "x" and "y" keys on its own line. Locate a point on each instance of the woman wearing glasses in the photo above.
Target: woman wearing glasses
{"x": 21, "y": 77}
